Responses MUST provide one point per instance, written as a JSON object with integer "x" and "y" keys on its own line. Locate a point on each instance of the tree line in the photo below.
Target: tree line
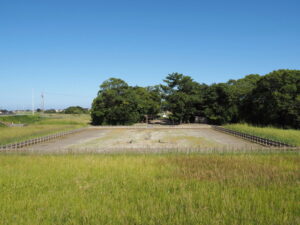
{"x": 272, "y": 99}
{"x": 69, "y": 110}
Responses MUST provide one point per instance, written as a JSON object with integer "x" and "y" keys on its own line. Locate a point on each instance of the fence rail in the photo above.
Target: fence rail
{"x": 38, "y": 140}
{"x": 252, "y": 138}
{"x": 154, "y": 127}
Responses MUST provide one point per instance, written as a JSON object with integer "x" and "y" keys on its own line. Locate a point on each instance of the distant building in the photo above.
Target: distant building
{"x": 5, "y": 112}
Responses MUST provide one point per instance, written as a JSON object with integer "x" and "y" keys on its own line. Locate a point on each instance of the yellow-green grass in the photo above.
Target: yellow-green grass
{"x": 67, "y": 118}
{"x": 40, "y": 126}
{"x": 150, "y": 189}
{"x": 288, "y": 136}
{"x": 23, "y": 119}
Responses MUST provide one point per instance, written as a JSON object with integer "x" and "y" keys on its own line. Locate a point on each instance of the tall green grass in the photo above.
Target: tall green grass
{"x": 288, "y": 136}
{"x": 148, "y": 189}
{"x": 39, "y": 126}
{"x": 24, "y": 119}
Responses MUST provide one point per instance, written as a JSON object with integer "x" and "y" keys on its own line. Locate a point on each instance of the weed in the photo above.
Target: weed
{"x": 149, "y": 189}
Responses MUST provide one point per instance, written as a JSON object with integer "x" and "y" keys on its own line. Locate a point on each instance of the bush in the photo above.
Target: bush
{"x": 75, "y": 110}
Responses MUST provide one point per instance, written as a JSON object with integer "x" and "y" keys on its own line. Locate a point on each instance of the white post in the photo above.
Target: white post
{"x": 43, "y": 102}
{"x": 32, "y": 101}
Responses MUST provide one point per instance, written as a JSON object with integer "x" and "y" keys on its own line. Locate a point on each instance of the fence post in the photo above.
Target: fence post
{"x": 255, "y": 139}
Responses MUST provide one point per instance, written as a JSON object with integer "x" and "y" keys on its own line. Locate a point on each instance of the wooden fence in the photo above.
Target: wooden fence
{"x": 38, "y": 140}
{"x": 252, "y": 138}
{"x": 154, "y": 127}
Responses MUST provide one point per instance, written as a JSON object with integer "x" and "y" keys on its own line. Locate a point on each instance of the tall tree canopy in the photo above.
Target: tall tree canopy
{"x": 182, "y": 95}
{"x": 74, "y": 110}
{"x": 224, "y": 102}
{"x": 273, "y": 99}
{"x": 118, "y": 103}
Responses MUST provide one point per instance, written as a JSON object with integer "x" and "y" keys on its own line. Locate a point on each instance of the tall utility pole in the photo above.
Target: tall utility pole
{"x": 32, "y": 101}
{"x": 43, "y": 102}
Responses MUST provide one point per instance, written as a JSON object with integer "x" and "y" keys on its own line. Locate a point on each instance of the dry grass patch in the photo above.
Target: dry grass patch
{"x": 191, "y": 141}
{"x": 148, "y": 189}
{"x": 239, "y": 169}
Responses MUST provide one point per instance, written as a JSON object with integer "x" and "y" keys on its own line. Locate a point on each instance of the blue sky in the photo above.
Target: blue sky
{"x": 67, "y": 48}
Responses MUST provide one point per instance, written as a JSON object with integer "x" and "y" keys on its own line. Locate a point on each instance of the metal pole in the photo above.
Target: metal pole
{"x": 32, "y": 101}
{"x": 43, "y": 102}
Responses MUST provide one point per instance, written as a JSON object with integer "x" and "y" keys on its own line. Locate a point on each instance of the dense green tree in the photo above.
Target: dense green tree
{"x": 113, "y": 84}
{"x": 113, "y": 104}
{"x": 182, "y": 95}
{"x": 219, "y": 104}
{"x": 75, "y": 110}
{"x": 148, "y": 101}
{"x": 240, "y": 89}
{"x": 224, "y": 102}
{"x": 50, "y": 111}
{"x": 118, "y": 103}
{"x": 275, "y": 100}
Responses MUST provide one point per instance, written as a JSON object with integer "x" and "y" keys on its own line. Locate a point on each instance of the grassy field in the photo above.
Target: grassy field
{"x": 150, "y": 189}
{"x": 39, "y": 125}
{"x": 24, "y": 119}
{"x": 288, "y": 136}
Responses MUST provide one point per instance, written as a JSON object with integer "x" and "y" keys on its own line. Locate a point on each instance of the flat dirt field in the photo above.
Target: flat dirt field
{"x": 144, "y": 140}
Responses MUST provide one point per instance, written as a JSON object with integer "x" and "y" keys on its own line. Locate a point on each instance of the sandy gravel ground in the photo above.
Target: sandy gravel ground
{"x": 143, "y": 139}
